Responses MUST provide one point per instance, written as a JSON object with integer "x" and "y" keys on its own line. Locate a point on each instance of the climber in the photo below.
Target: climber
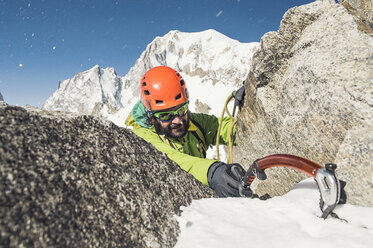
{"x": 162, "y": 118}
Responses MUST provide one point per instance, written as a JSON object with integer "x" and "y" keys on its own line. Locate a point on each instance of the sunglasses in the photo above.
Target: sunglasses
{"x": 170, "y": 115}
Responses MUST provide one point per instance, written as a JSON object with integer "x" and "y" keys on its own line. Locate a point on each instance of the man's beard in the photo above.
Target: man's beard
{"x": 180, "y": 129}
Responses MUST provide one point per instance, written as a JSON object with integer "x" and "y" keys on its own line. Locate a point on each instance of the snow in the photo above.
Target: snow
{"x": 292, "y": 220}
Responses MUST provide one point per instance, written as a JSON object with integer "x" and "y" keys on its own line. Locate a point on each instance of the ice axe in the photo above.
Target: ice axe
{"x": 331, "y": 189}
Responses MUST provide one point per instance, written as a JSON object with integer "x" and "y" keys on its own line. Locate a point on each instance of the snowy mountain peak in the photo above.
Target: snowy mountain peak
{"x": 97, "y": 73}
{"x": 207, "y": 50}
{"x": 1, "y": 97}
{"x": 88, "y": 92}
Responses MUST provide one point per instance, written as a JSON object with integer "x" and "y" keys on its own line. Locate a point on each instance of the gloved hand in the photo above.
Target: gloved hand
{"x": 239, "y": 97}
{"x": 225, "y": 179}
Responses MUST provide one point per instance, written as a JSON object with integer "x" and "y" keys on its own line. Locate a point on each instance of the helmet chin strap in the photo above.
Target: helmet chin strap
{"x": 149, "y": 110}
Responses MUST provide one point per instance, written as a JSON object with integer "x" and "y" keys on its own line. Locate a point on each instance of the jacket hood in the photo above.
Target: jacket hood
{"x": 139, "y": 115}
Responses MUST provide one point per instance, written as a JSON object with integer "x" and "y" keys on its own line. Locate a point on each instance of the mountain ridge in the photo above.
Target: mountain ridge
{"x": 205, "y": 59}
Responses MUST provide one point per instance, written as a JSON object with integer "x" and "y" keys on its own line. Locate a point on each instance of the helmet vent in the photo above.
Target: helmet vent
{"x": 143, "y": 84}
{"x": 182, "y": 82}
{"x": 178, "y": 97}
{"x": 159, "y": 102}
{"x": 177, "y": 74}
{"x": 146, "y": 92}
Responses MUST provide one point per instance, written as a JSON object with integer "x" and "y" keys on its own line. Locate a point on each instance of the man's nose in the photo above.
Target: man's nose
{"x": 176, "y": 120}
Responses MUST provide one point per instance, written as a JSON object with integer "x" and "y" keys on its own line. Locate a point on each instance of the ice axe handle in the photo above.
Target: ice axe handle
{"x": 252, "y": 173}
{"x": 249, "y": 177}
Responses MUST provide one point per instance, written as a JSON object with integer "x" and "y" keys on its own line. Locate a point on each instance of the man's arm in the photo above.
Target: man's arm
{"x": 198, "y": 167}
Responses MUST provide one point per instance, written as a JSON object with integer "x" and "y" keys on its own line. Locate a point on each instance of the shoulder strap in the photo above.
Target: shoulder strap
{"x": 200, "y": 135}
{"x": 167, "y": 141}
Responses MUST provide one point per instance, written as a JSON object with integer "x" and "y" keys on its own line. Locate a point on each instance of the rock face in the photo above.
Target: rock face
{"x": 363, "y": 8}
{"x": 76, "y": 181}
{"x": 1, "y": 97}
{"x": 309, "y": 93}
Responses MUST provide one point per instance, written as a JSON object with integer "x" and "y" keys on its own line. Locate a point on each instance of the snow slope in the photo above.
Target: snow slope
{"x": 288, "y": 221}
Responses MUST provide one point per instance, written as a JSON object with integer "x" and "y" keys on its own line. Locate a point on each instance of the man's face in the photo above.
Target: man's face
{"x": 176, "y": 128}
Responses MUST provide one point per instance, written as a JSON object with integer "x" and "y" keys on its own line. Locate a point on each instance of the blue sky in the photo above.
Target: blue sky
{"x": 46, "y": 41}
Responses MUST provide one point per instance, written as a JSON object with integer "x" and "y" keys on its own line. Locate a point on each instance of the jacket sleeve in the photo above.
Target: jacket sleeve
{"x": 210, "y": 125}
{"x": 198, "y": 167}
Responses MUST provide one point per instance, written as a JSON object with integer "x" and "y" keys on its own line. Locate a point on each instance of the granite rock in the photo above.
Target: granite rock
{"x": 362, "y": 9}
{"x": 309, "y": 93}
{"x": 77, "y": 181}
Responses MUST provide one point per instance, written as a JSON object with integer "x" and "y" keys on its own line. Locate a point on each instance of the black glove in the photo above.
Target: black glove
{"x": 225, "y": 179}
{"x": 239, "y": 97}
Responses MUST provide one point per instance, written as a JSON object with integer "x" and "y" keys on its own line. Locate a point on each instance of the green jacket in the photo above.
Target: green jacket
{"x": 187, "y": 151}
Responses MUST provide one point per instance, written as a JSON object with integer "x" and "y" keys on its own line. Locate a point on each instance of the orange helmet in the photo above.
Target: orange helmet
{"x": 162, "y": 88}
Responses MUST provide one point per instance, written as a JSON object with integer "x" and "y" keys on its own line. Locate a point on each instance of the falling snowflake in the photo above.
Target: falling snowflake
{"x": 54, "y": 47}
{"x": 20, "y": 65}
